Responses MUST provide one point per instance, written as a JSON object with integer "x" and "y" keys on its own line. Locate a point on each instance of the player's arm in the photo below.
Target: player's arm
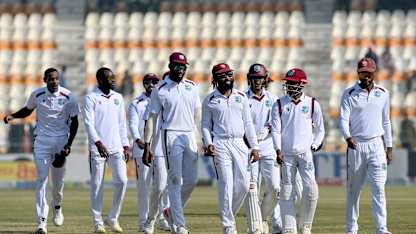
{"x": 319, "y": 129}
{"x": 277, "y": 132}
{"x": 73, "y": 127}
{"x": 250, "y": 132}
{"x": 206, "y": 127}
{"x": 123, "y": 130}
{"x": 133, "y": 119}
{"x": 24, "y": 112}
{"x": 344, "y": 120}
{"x": 387, "y": 137}
{"x": 154, "y": 107}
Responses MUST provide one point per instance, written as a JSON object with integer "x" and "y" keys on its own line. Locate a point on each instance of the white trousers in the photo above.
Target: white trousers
{"x": 45, "y": 149}
{"x": 302, "y": 164}
{"x": 369, "y": 158}
{"x": 151, "y": 184}
{"x": 233, "y": 171}
{"x": 182, "y": 158}
{"x": 119, "y": 176}
{"x": 269, "y": 170}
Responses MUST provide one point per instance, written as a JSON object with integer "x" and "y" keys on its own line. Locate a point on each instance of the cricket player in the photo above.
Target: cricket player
{"x": 261, "y": 102}
{"x": 105, "y": 122}
{"x": 297, "y": 131}
{"x": 136, "y": 112}
{"x": 176, "y": 100}
{"x": 226, "y": 120}
{"x": 365, "y": 124}
{"x": 56, "y": 127}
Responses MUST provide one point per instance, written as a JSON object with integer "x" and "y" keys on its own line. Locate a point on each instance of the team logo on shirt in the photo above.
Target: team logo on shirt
{"x": 188, "y": 87}
{"x": 238, "y": 99}
{"x": 305, "y": 109}
{"x": 61, "y": 102}
{"x": 268, "y": 103}
{"x": 377, "y": 94}
{"x": 116, "y": 102}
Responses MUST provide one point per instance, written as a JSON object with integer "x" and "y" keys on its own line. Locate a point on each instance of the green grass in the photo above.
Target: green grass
{"x": 17, "y": 211}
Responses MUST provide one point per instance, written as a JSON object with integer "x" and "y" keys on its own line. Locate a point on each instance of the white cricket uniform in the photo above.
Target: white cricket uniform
{"x": 365, "y": 116}
{"x": 105, "y": 121}
{"x": 177, "y": 104}
{"x": 296, "y": 127}
{"x": 144, "y": 174}
{"x": 267, "y": 166}
{"x": 225, "y": 121}
{"x": 53, "y": 119}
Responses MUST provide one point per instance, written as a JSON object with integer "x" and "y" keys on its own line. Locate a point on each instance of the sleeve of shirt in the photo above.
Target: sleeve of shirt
{"x": 122, "y": 124}
{"x": 197, "y": 99}
{"x": 276, "y": 127}
{"x": 388, "y": 141}
{"x": 344, "y": 117}
{"x": 249, "y": 126}
{"x": 89, "y": 119}
{"x": 31, "y": 102}
{"x": 155, "y": 106}
{"x": 74, "y": 109}
{"x": 319, "y": 129}
{"x": 206, "y": 123}
{"x": 133, "y": 119}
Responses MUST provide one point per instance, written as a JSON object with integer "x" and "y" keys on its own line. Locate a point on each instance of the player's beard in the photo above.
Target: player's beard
{"x": 225, "y": 86}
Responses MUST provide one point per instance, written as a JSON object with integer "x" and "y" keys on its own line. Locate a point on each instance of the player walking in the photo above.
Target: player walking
{"x": 225, "y": 120}
{"x": 365, "y": 124}
{"x": 261, "y": 101}
{"x": 56, "y": 127}
{"x": 136, "y": 112}
{"x": 297, "y": 130}
{"x": 176, "y": 100}
{"x": 105, "y": 122}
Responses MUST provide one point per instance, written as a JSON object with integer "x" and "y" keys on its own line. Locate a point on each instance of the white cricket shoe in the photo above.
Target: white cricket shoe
{"x": 148, "y": 227}
{"x": 265, "y": 228}
{"x": 41, "y": 229}
{"x": 163, "y": 225}
{"x": 99, "y": 228}
{"x": 115, "y": 226}
{"x": 306, "y": 229}
{"x": 289, "y": 231}
{"x": 58, "y": 216}
{"x": 229, "y": 230}
{"x": 181, "y": 230}
{"x": 276, "y": 229}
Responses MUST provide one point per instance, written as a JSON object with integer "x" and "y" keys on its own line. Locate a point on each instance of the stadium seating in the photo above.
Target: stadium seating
{"x": 240, "y": 38}
{"x": 352, "y": 34}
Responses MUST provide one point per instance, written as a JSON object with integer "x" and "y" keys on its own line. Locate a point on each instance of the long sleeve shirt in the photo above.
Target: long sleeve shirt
{"x": 365, "y": 115}
{"x": 135, "y": 113}
{"x": 227, "y": 117}
{"x": 105, "y": 120}
{"x": 298, "y": 127}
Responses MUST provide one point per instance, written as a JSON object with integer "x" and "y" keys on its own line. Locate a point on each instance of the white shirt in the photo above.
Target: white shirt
{"x": 53, "y": 111}
{"x": 135, "y": 112}
{"x": 227, "y": 117}
{"x": 261, "y": 113}
{"x": 156, "y": 144}
{"x": 366, "y": 115}
{"x": 297, "y": 129}
{"x": 105, "y": 120}
{"x": 177, "y": 103}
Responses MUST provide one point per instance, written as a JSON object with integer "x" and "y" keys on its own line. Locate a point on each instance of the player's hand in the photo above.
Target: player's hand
{"x": 389, "y": 154}
{"x": 147, "y": 155}
{"x": 7, "y": 119}
{"x": 102, "y": 149}
{"x": 279, "y": 157}
{"x": 66, "y": 150}
{"x": 210, "y": 150}
{"x": 352, "y": 144}
{"x": 140, "y": 143}
{"x": 254, "y": 155}
{"x": 126, "y": 152}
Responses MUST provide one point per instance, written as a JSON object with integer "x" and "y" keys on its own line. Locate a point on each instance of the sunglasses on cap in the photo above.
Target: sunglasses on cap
{"x": 225, "y": 75}
{"x": 152, "y": 81}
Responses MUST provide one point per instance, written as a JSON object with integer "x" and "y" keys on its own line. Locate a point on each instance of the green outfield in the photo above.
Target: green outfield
{"x": 17, "y": 213}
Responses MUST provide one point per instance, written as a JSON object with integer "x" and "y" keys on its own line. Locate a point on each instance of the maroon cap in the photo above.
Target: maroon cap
{"x": 366, "y": 65}
{"x": 178, "y": 57}
{"x": 220, "y": 68}
{"x": 150, "y": 76}
{"x": 257, "y": 70}
{"x": 296, "y": 74}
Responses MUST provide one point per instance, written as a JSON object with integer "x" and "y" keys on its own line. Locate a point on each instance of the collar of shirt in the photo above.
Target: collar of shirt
{"x": 97, "y": 90}
{"x": 55, "y": 94}
{"x": 218, "y": 93}
{"x": 357, "y": 88}
{"x": 251, "y": 94}
{"x": 301, "y": 99}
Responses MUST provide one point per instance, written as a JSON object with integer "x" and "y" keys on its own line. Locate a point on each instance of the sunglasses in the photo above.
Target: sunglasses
{"x": 225, "y": 75}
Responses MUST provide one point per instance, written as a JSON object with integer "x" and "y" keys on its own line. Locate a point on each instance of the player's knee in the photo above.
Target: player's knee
{"x": 311, "y": 191}
{"x": 287, "y": 192}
